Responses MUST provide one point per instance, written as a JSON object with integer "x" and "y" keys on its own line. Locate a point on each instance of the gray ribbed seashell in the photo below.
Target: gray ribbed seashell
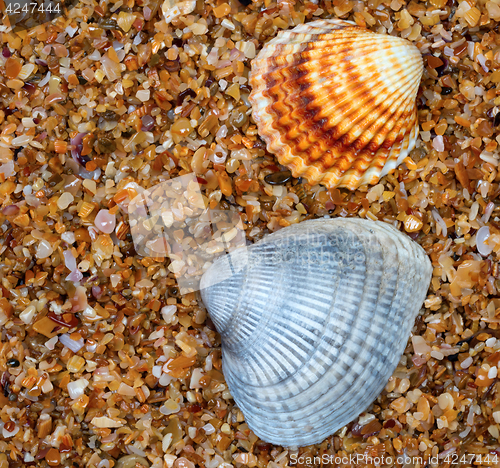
{"x": 313, "y": 320}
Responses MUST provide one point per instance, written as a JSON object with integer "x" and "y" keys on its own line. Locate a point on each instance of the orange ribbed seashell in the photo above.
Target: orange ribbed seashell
{"x": 336, "y": 103}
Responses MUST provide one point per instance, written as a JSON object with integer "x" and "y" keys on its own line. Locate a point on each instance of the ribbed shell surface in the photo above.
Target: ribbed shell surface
{"x": 336, "y": 103}
{"x": 313, "y": 320}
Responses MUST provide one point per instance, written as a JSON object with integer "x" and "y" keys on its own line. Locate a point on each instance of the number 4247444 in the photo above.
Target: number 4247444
{"x": 16, "y": 8}
{"x": 472, "y": 458}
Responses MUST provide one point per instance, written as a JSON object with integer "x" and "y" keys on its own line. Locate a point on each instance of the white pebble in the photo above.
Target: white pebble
{"x": 473, "y": 211}
{"x": 143, "y": 95}
{"x": 419, "y": 345}
{"x": 445, "y": 401}
{"x": 196, "y": 376}
{"x": 223, "y": 84}
{"x": 27, "y": 314}
{"x": 493, "y": 430}
{"x": 365, "y": 419}
{"x": 165, "y": 379}
{"x": 438, "y": 143}
{"x": 437, "y": 355}
{"x": 209, "y": 429}
{"x": 69, "y": 260}
{"x": 442, "y": 422}
{"x": 249, "y": 50}
{"x": 105, "y": 221}
{"x": 68, "y": 237}
{"x": 65, "y": 200}
{"x": 198, "y": 29}
{"x": 44, "y": 249}
{"x": 169, "y": 407}
{"x": 482, "y": 236}
{"x": 167, "y": 440}
{"x": 168, "y": 312}
{"x": 6, "y": 433}
{"x": 77, "y": 388}
{"x": 228, "y": 24}
{"x": 465, "y": 364}
{"x": 465, "y": 432}
{"x": 51, "y": 344}
{"x": 490, "y": 342}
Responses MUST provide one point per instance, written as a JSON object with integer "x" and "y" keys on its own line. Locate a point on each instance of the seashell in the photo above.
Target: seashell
{"x": 313, "y": 320}
{"x": 336, "y": 103}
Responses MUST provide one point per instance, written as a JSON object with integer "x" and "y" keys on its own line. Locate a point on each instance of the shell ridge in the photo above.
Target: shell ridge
{"x": 363, "y": 167}
{"x": 334, "y": 312}
{"x": 395, "y": 134}
{"x": 306, "y": 308}
{"x": 400, "y": 149}
{"x": 408, "y": 145}
{"x": 309, "y": 308}
{"x": 343, "y": 88}
{"x": 327, "y": 106}
{"x": 340, "y": 134}
{"x": 363, "y": 325}
{"x": 288, "y": 160}
{"x": 263, "y": 297}
{"x": 221, "y": 302}
{"x": 263, "y": 256}
{"x": 375, "y": 131}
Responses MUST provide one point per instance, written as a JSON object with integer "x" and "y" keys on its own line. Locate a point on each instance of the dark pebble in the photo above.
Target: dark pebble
{"x": 184, "y": 94}
{"x": 34, "y": 78}
{"x": 155, "y": 59}
{"x": 278, "y": 178}
{"x": 467, "y": 340}
{"x": 178, "y": 42}
{"x": 83, "y": 159}
{"x": 30, "y": 88}
{"x": 108, "y": 24}
{"x": 109, "y": 115}
{"x": 209, "y": 82}
{"x": 494, "y": 117}
{"x": 13, "y": 363}
{"x": 106, "y": 145}
{"x": 445, "y": 91}
{"x": 443, "y": 68}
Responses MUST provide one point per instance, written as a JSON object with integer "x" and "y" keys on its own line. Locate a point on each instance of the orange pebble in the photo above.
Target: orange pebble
{"x": 53, "y": 457}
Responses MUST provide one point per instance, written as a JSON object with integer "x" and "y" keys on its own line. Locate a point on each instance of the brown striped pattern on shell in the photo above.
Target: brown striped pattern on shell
{"x": 336, "y": 102}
